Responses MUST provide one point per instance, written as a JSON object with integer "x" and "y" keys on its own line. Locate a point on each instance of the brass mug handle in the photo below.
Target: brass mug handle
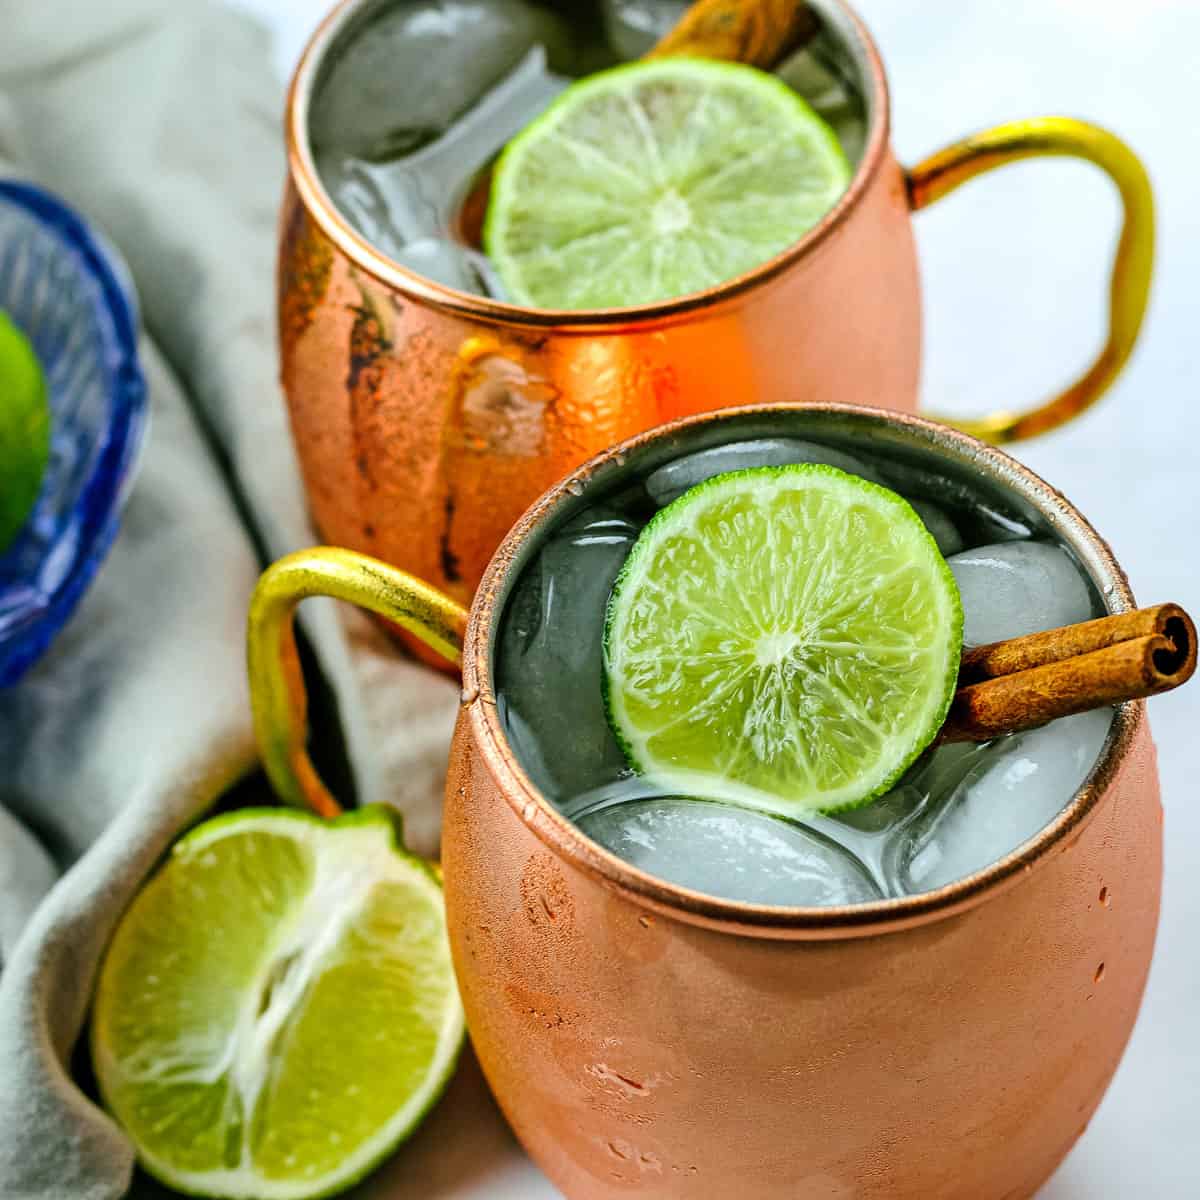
{"x": 1133, "y": 262}
{"x": 277, "y": 692}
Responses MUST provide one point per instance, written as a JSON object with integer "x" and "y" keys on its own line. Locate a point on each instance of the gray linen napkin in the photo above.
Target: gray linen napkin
{"x": 160, "y": 120}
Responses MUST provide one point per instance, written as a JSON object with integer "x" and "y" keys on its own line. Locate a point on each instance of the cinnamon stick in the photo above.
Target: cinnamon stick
{"x": 1024, "y": 682}
{"x": 756, "y": 32}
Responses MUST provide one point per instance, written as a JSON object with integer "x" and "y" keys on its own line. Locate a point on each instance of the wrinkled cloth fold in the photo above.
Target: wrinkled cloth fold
{"x": 160, "y": 120}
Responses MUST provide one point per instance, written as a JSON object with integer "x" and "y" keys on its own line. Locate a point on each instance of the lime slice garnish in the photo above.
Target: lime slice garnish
{"x": 277, "y": 1009}
{"x": 783, "y": 637}
{"x": 655, "y": 180}
{"x": 24, "y": 429}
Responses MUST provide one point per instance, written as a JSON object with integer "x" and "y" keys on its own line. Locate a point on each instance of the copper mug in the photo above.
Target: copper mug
{"x": 645, "y": 1039}
{"x": 427, "y": 419}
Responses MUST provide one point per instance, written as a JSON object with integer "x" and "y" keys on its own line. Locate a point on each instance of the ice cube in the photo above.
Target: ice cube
{"x": 877, "y": 832}
{"x": 941, "y": 770}
{"x": 489, "y": 278}
{"x": 944, "y": 531}
{"x": 814, "y": 73}
{"x": 978, "y": 523}
{"x": 1016, "y": 588}
{"x": 671, "y": 481}
{"x": 873, "y": 833}
{"x": 885, "y": 814}
{"x": 730, "y": 852}
{"x": 368, "y": 198}
{"x": 550, "y": 659}
{"x": 441, "y": 260}
{"x": 1016, "y": 788}
{"x": 403, "y": 79}
{"x": 634, "y": 26}
{"x": 405, "y": 204}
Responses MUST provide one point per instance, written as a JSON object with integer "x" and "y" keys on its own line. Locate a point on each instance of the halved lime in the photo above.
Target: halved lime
{"x": 277, "y": 1009}
{"x": 783, "y": 637}
{"x": 24, "y": 429}
{"x": 658, "y": 179}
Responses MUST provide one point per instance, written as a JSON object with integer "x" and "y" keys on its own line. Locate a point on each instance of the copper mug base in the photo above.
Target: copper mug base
{"x": 427, "y": 419}
{"x": 646, "y": 1040}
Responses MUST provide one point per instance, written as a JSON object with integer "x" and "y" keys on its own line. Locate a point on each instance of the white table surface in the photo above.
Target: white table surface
{"x": 1015, "y": 271}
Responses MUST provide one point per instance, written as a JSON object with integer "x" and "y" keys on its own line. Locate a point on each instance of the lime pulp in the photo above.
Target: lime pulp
{"x": 277, "y": 1009}
{"x": 783, "y": 637}
{"x": 655, "y": 180}
{"x": 24, "y": 429}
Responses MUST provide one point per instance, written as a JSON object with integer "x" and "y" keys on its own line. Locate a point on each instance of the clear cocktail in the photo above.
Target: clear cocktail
{"x": 410, "y": 116}
{"x": 640, "y": 1034}
{"x": 956, "y": 810}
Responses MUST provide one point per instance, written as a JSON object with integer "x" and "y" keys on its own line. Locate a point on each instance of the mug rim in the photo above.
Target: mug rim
{"x": 319, "y": 204}
{"x": 568, "y": 842}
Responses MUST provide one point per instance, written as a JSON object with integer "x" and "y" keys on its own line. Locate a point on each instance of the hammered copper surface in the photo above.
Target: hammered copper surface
{"x": 426, "y": 419}
{"x": 424, "y": 434}
{"x": 637, "y": 1053}
{"x": 645, "y": 1040}
{"x": 648, "y": 1040}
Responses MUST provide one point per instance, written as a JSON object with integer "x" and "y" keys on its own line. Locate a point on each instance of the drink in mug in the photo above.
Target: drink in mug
{"x": 428, "y": 411}
{"x": 956, "y": 810}
{"x": 725, "y": 1003}
{"x": 422, "y": 97}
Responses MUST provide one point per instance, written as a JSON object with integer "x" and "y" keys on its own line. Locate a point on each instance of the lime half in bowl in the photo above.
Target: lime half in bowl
{"x": 69, "y": 294}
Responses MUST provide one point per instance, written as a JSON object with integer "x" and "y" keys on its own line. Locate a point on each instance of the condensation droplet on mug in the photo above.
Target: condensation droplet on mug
{"x": 1109, "y": 588}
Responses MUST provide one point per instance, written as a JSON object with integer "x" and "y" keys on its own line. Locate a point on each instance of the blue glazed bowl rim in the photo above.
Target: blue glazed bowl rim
{"x": 103, "y": 493}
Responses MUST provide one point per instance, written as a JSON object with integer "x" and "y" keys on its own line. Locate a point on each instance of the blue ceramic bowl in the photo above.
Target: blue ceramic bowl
{"x": 62, "y": 285}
